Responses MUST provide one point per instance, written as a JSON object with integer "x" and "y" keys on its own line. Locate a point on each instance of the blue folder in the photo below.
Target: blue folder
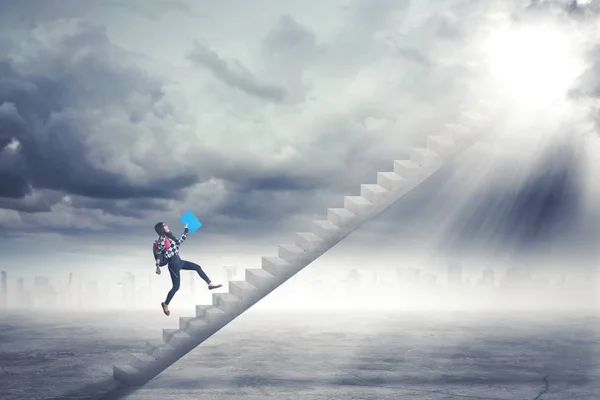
{"x": 192, "y": 222}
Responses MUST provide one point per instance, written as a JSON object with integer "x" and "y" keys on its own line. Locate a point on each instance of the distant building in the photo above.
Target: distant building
{"x": 518, "y": 277}
{"x": 386, "y": 286}
{"x": 44, "y": 295}
{"x": 408, "y": 277}
{"x": 41, "y": 283}
{"x": 128, "y": 290}
{"x": 414, "y": 275}
{"x": 80, "y": 291}
{"x": 455, "y": 274}
{"x": 23, "y": 298}
{"x": 92, "y": 295}
{"x": 430, "y": 280}
{"x": 487, "y": 278}
{"x": 230, "y": 272}
{"x": 401, "y": 276}
{"x": 353, "y": 280}
{"x": 374, "y": 279}
{"x": 541, "y": 284}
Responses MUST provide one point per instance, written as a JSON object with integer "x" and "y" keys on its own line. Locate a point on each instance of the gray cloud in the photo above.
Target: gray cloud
{"x": 50, "y": 115}
{"x": 27, "y": 13}
{"x": 57, "y": 116}
{"x": 40, "y": 201}
{"x": 132, "y": 208}
{"x": 129, "y": 149}
{"x": 291, "y": 41}
{"x": 588, "y": 84}
{"x": 154, "y": 10}
{"x": 233, "y": 73}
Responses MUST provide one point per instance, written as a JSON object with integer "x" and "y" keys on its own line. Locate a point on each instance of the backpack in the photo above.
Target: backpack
{"x": 161, "y": 255}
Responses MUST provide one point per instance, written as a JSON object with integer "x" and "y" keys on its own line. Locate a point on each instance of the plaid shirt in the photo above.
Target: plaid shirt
{"x": 173, "y": 247}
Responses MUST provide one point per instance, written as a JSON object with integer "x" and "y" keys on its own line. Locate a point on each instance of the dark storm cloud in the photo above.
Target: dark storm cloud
{"x": 235, "y": 74}
{"x": 26, "y": 13}
{"x": 254, "y": 206}
{"x": 29, "y": 12}
{"x": 153, "y": 10}
{"x": 257, "y": 200}
{"x": 133, "y": 208}
{"x": 248, "y": 179}
{"x": 50, "y": 114}
{"x": 47, "y": 103}
{"x": 541, "y": 210}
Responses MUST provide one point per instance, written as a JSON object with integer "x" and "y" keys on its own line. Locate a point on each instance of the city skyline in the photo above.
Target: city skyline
{"x": 134, "y": 292}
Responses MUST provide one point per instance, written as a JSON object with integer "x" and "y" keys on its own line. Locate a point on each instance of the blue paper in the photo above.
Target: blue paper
{"x": 192, "y": 222}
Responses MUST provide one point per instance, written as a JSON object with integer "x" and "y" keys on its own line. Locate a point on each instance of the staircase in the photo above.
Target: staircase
{"x": 292, "y": 258}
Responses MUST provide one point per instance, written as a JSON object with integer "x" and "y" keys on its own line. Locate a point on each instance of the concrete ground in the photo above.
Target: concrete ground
{"x": 542, "y": 356}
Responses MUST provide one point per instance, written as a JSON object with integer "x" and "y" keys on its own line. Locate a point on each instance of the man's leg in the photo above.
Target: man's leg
{"x": 175, "y": 279}
{"x": 190, "y": 266}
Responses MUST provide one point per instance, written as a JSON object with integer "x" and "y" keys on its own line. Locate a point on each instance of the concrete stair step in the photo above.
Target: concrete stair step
{"x": 210, "y": 314}
{"x": 158, "y": 349}
{"x": 290, "y": 253}
{"x": 308, "y": 241}
{"x": 441, "y": 145}
{"x": 407, "y": 169}
{"x": 175, "y": 337}
{"x": 277, "y": 266}
{"x": 325, "y": 229}
{"x": 243, "y": 290}
{"x": 128, "y": 375}
{"x": 425, "y": 157}
{"x": 260, "y": 278}
{"x": 227, "y": 302}
{"x": 341, "y": 217}
{"x": 375, "y": 194}
{"x": 391, "y": 181}
{"x": 358, "y": 205}
{"x": 192, "y": 325}
{"x": 141, "y": 361}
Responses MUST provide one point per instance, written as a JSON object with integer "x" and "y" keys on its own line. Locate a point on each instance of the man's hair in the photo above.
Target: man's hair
{"x": 160, "y": 229}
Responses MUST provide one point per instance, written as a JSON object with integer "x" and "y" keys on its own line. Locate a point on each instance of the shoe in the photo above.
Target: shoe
{"x": 165, "y": 309}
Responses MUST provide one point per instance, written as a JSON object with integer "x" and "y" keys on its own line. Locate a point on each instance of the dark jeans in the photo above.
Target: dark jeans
{"x": 176, "y": 264}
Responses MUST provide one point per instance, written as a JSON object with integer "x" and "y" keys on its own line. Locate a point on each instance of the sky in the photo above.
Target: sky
{"x": 258, "y": 116}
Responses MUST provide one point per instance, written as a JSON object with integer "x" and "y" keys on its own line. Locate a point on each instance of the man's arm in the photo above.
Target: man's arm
{"x": 161, "y": 244}
{"x": 159, "y": 248}
{"x": 183, "y": 237}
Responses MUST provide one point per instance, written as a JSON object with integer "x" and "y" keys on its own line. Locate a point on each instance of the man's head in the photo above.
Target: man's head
{"x": 161, "y": 228}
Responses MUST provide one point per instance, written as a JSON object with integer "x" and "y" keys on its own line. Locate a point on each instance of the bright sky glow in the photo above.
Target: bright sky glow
{"x": 533, "y": 65}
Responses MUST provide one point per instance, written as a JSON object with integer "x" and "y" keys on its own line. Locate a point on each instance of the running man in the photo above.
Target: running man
{"x": 176, "y": 264}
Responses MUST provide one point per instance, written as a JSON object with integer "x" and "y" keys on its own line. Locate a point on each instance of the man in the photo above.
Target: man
{"x": 175, "y": 263}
